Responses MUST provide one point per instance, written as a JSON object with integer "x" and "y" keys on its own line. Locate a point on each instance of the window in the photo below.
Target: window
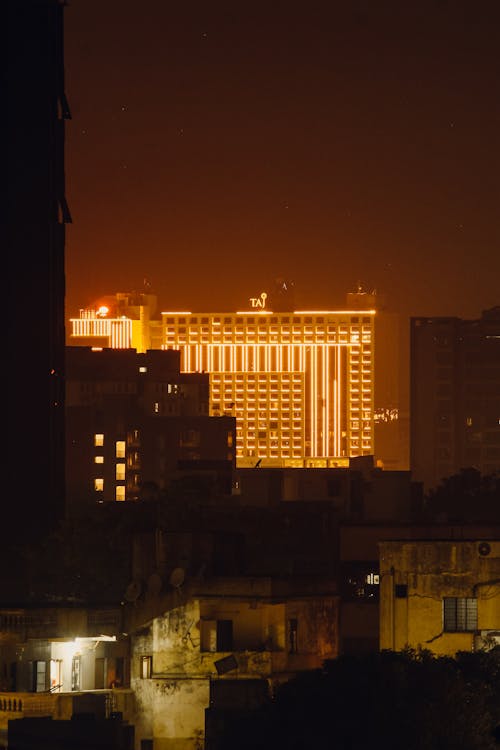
{"x": 146, "y": 667}
{"x": 120, "y": 493}
{"x": 120, "y": 448}
{"x": 99, "y": 485}
{"x": 39, "y": 676}
{"x": 120, "y": 472}
{"x": 98, "y": 440}
{"x": 459, "y": 614}
{"x": 360, "y": 581}
{"x": 99, "y": 459}
{"x": 75, "y": 673}
{"x": 216, "y": 635}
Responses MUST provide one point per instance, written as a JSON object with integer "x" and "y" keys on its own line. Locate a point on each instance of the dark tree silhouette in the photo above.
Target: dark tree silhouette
{"x": 411, "y": 700}
{"x": 465, "y": 497}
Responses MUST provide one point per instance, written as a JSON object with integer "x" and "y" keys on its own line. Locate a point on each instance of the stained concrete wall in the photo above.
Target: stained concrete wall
{"x": 432, "y": 570}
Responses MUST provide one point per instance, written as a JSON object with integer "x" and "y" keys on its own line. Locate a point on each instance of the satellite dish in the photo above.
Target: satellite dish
{"x": 177, "y": 577}
{"x": 154, "y": 583}
{"x": 133, "y": 591}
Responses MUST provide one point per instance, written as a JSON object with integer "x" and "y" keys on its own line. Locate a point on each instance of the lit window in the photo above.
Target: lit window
{"x": 120, "y": 472}
{"x": 99, "y": 459}
{"x": 120, "y": 493}
{"x": 99, "y": 485}
{"x": 98, "y": 440}
{"x": 459, "y": 614}
{"x": 120, "y": 448}
{"x": 143, "y": 369}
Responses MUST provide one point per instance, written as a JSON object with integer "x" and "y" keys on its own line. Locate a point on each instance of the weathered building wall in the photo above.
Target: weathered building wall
{"x": 185, "y": 650}
{"x": 416, "y": 577}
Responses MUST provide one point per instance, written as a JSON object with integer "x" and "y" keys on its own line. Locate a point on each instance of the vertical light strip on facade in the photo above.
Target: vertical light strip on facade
{"x": 324, "y": 405}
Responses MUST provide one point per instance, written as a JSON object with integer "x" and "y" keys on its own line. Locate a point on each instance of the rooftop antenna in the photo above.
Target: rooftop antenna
{"x": 177, "y": 577}
{"x": 133, "y": 591}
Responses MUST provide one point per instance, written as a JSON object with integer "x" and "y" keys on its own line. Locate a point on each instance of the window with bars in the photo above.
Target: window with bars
{"x": 459, "y": 614}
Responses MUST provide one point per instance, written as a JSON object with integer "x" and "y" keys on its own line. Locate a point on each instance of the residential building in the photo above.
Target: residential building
{"x": 134, "y": 421}
{"x": 455, "y": 396}
{"x": 442, "y": 595}
{"x": 364, "y": 594}
{"x": 200, "y": 631}
{"x": 58, "y": 660}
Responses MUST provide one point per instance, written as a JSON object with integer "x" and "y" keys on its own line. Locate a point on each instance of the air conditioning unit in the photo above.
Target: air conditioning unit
{"x": 488, "y": 549}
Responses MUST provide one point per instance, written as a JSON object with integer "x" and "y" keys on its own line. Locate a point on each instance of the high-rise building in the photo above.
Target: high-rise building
{"x": 300, "y": 384}
{"x": 455, "y": 396}
{"x": 134, "y": 422}
{"x": 391, "y": 393}
{"x": 36, "y": 210}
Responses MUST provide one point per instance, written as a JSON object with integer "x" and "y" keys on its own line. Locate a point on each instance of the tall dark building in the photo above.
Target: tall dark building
{"x": 37, "y": 211}
{"x": 455, "y": 396}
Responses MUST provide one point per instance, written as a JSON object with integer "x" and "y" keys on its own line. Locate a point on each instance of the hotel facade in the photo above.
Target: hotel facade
{"x": 300, "y": 384}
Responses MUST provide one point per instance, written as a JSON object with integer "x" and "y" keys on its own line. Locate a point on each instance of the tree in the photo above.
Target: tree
{"x": 391, "y": 700}
{"x": 465, "y": 497}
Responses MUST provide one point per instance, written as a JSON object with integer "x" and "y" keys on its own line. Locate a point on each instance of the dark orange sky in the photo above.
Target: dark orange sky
{"x": 215, "y": 147}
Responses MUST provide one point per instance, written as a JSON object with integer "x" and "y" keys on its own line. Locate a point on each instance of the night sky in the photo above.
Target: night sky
{"x": 215, "y": 147}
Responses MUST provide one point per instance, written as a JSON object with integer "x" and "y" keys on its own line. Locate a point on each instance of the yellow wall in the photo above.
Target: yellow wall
{"x": 432, "y": 571}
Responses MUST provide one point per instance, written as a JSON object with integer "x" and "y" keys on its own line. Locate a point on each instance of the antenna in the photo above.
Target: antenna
{"x": 177, "y": 577}
{"x": 133, "y": 591}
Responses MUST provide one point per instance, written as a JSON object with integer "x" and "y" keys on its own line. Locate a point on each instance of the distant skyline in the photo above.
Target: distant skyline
{"x": 216, "y": 147}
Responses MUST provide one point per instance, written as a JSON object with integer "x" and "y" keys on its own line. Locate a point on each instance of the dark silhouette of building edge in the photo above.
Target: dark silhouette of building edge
{"x": 37, "y": 211}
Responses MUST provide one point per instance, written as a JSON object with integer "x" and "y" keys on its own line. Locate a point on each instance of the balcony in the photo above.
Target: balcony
{"x": 63, "y": 705}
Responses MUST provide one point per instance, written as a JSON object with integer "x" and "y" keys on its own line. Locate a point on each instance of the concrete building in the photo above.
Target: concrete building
{"x": 443, "y": 595}
{"x": 391, "y": 380}
{"x": 455, "y": 396}
{"x": 36, "y": 212}
{"x": 124, "y": 320}
{"x": 134, "y": 421}
{"x": 360, "y": 491}
{"x": 363, "y": 610}
{"x": 60, "y": 660}
{"x": 208, "y": 639}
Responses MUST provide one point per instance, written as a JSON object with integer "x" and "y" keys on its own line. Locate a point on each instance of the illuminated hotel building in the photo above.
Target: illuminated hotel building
{"x": 300, "y": 384}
